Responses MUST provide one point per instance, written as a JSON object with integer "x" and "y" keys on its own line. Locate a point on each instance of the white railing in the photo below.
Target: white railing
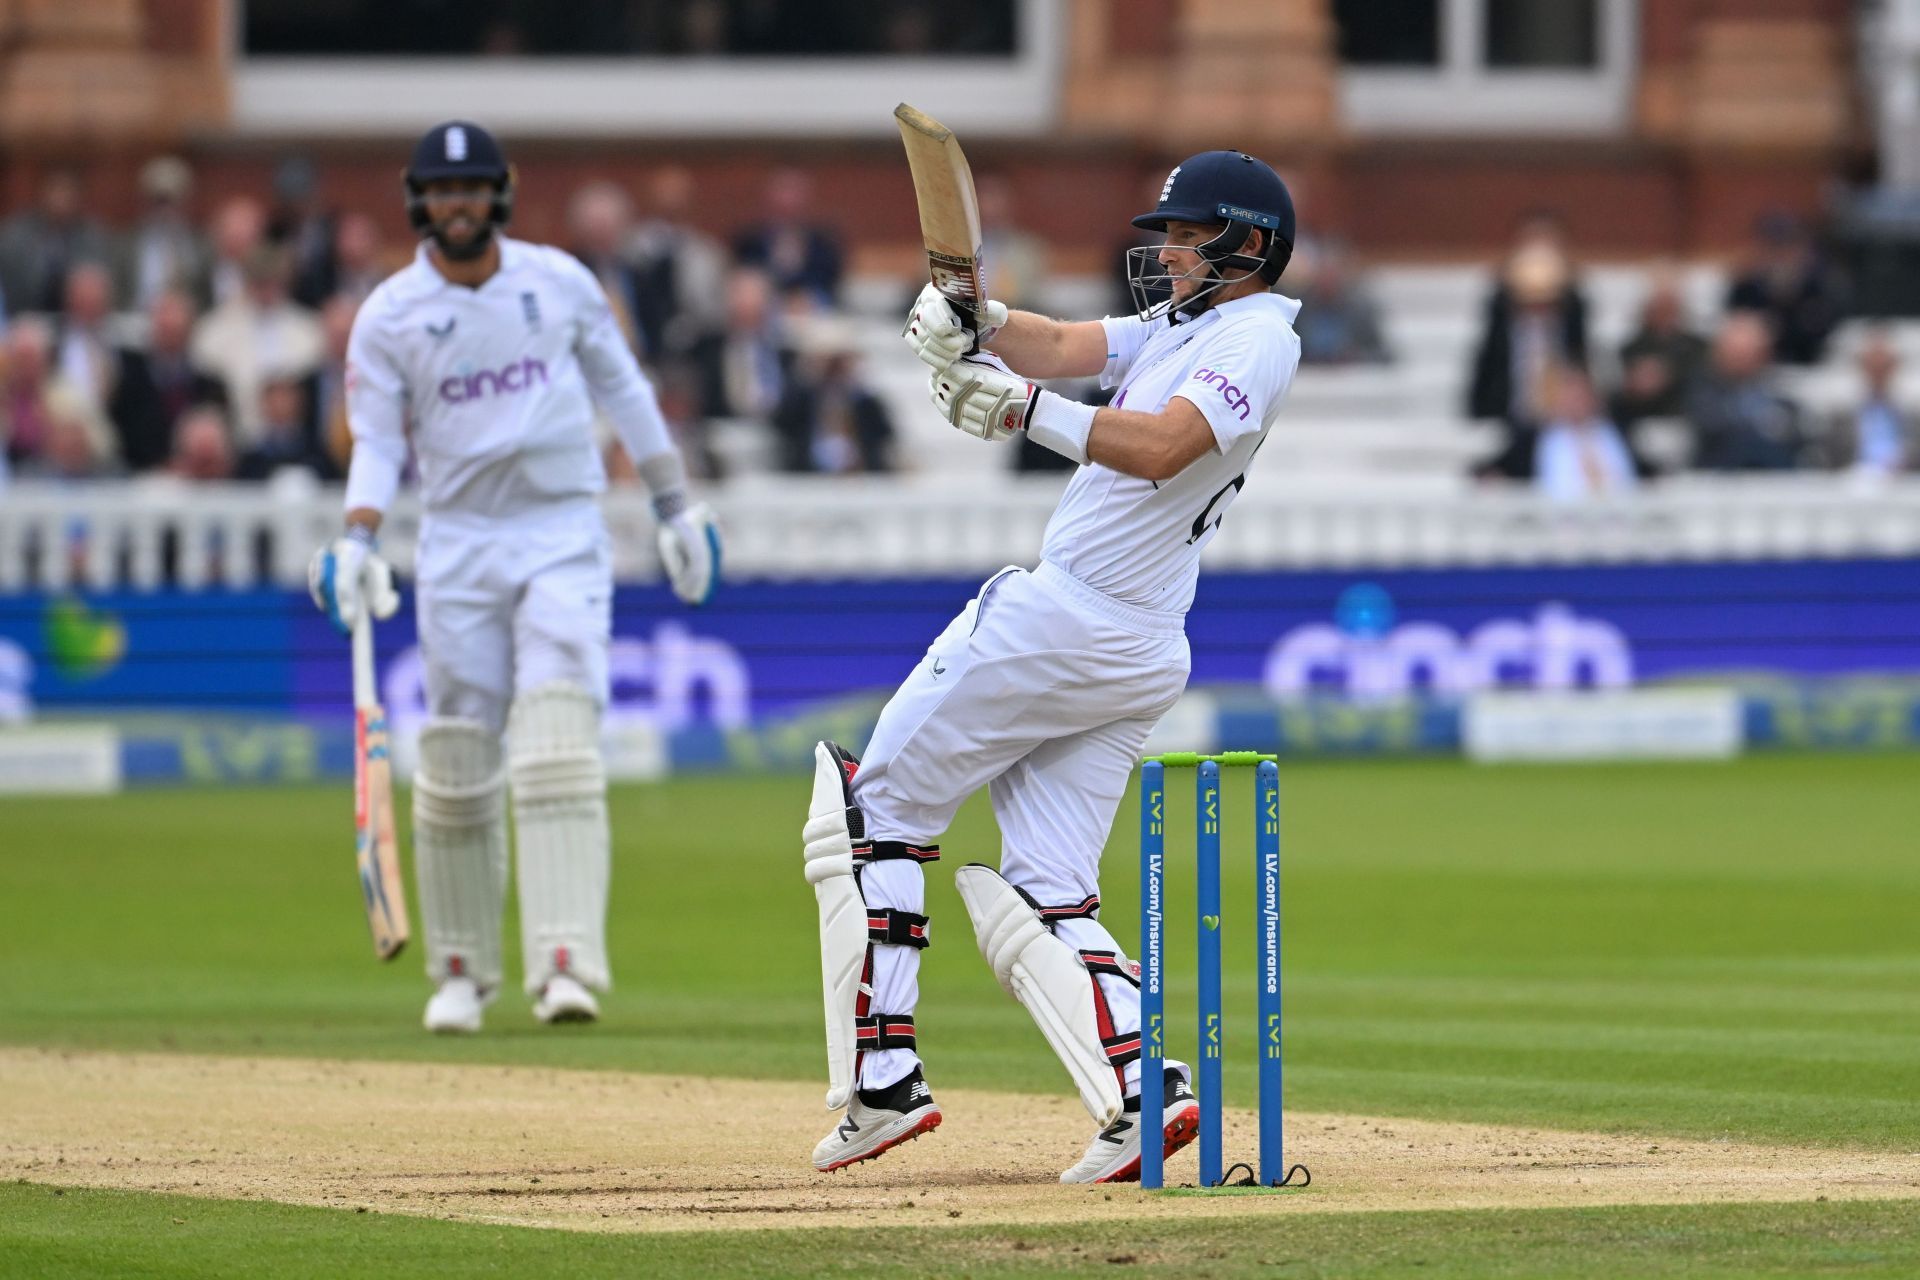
{"x": 145, "y": 534}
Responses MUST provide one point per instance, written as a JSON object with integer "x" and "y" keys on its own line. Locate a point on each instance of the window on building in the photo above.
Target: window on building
{"x": 1388, "y": 33}
{"x": 1487, "y": 66}
{"x": 626, "y": 68}
{"x": 1526, "y": 33}
{"x": 629, "y": 28}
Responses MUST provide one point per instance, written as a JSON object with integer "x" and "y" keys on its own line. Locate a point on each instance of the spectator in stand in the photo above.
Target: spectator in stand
{"x": 38, "y": 246}
{"x": 286, "y": 437}
{"x": 155, "y": 386}
{"x": 743, "y": 366}
{"x": 1339, "y": 322}
{"x": 83, "y": 349}
{"x": 600, "y": 222}
{"x": 1791, "y": 284}
{"x": 1016, "y": 260}
{"x": 1739, "y": 422}
{"x": 298, "y": 223}
{"x": 359, "y": 256}
{"x": 680, "y": 271}
{"x": 49, "y": 427}
{"x": 828, "y": 421}
{"x": 793, "y": 250}
{"x": 261, "y": 330}
{"x": 1662, "y": 361}
{"x": 1877, "y": 438}
{"x": 1581, "y": 454}
{"x": 1536, "y": 320}
{"x": 163, "y": 251}
{"x": 239, "y": 229}
{"x": 329, "y": 410}
{"x": 202, "y": 450}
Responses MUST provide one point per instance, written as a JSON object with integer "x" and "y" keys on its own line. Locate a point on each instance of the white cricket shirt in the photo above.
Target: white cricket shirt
{"x": 494, "y": 387}
{"x": 1139, "y": 541}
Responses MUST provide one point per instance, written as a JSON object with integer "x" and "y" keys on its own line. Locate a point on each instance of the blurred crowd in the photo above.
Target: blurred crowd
{"x": 1677, "y": 395}
{"x": 216, "y": 350}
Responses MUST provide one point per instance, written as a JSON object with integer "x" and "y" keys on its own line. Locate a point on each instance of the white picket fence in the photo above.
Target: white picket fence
{"x": 150, "y": 533}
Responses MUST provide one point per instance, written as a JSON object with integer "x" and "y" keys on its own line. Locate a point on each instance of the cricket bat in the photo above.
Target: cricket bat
{"x": 375, "y": 848}
{"x": 949, "y": 211}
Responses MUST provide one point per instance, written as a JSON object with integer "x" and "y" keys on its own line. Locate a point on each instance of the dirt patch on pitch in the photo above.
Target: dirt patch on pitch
{"x": 607, "y": 1151}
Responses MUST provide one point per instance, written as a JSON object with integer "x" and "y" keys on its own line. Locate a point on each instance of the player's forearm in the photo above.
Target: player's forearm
{"x": 364, "y": 518}
{"x": 1151, "y": 446}
{"x": 1035, "y": 346}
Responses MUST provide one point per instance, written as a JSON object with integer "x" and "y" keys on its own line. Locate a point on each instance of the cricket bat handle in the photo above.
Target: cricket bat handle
{"x": 365, "y": 695}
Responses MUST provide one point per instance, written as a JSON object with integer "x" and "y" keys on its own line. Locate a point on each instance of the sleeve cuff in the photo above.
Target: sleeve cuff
{"x": 372, "y": 480}
{"x": 1061, "y": 425}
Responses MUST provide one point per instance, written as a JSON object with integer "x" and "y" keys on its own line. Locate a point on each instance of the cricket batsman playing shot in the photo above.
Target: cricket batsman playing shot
{"x": 489, "y": 356}
{"x": 1043, "y": 689}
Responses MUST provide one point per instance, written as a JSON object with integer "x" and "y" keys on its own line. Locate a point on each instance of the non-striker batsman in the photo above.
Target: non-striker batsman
{"x": 485, "y": 361}
{"x": 1045, "y": 687}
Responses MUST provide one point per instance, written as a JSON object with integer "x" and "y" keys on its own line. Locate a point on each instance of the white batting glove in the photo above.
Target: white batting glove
{"x": 348, "y": 575}
{"x": 935, "y": 333}
{"x": 690, "y": 551}
{"x": 984, "y": 398}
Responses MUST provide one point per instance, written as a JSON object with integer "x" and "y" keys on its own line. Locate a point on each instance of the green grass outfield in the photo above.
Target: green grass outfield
{"x": 1708, "y": 950}
{"x": 54, "y": 1233}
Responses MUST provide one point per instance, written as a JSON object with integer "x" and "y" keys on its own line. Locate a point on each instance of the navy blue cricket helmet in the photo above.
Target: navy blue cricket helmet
{"x": 1234, "y": 189}
{"x": 457, "y": 149}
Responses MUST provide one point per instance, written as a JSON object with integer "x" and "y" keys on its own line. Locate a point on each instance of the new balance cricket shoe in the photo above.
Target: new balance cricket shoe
{"x": 563, "y": 999}
{"x": 1114, "y": 1153}
{"x": 455, "y": 1008}
{"x": 879, "y": 1120}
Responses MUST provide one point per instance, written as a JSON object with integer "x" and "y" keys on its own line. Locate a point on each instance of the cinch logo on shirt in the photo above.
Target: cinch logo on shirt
{"x": 517, "y": 376}
{"x": 1234, "y": 396}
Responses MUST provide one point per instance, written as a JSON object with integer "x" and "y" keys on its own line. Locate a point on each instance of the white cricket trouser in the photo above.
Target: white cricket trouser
{"x": 1044, "y": 690}
{"x": 509, "y": 605}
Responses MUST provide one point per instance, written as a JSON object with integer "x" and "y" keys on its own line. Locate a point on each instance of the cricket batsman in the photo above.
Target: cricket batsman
{"x": 487, "y": 357}
{"x": 1045, "y": 687}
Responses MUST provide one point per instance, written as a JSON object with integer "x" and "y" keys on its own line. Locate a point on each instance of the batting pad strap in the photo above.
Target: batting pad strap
{"x": 1108, "y": 963}
{"x": 888, "y": 1031}
{"x": 882, "y": 850}
{"x": 897, "y": 928}
{"x": 1088, "y": 908}
{"x": 1121, "y": 1049}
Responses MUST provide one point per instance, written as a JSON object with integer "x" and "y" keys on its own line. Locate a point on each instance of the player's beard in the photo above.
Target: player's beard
{"x": 463, "y": 252}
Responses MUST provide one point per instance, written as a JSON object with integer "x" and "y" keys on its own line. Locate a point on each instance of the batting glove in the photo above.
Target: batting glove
{"x": 935, "y": 333}
{"x": 348, "y": 575}
{"x": 984, "y": 398}
{"x": 690, "y": 551}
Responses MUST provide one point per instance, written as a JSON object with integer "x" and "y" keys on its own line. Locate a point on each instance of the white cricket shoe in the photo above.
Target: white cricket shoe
{"x": 455, "y": 1008}
{"x": 1114, "y": 1153}
{"x": 563, "y": 999}
{"x": 878, "y": 1120}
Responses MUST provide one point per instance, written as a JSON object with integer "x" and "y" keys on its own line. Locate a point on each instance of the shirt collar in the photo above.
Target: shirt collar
{"x": 1287, "y": 307}
{"x": 510, "y": 254}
